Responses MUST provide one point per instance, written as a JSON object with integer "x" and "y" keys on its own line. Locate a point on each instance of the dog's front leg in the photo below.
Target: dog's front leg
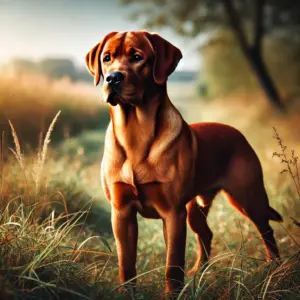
{"x": 125, "y": 229}
{"x": 175, "y": 235}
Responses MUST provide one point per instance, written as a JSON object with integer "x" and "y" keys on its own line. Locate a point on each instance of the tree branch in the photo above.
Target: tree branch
{"x": 235, "y": 23}
{"x": 258, "y": 26}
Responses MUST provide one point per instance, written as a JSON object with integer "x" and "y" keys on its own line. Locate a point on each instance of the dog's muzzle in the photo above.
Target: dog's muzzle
{"x": 114, "y": 81}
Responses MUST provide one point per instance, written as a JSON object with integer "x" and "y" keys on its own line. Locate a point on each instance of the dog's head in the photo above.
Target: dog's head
{"x": 129, "y": 62}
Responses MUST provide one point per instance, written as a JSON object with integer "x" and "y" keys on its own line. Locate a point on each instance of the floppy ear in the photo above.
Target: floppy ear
{"x": 92, "y": 59}
{"x": 166, "y": 58}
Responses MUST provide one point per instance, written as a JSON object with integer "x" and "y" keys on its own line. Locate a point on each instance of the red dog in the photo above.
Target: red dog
{"x": 157, "y": 165}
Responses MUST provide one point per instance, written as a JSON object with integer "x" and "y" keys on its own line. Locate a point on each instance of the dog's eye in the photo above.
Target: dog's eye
{"x": 136, "y": 57}
{"x": 106, "y": 58}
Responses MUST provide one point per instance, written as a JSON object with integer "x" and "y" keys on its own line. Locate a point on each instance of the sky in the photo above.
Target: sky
{"x": 35, "y": 29}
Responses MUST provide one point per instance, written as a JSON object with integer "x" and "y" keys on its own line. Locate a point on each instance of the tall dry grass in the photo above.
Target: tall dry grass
{"x": 51, "y": 247}
{"x": 41, "y": 156}
{"x": 45, "y": 252}
{"x": 30, "y": 102}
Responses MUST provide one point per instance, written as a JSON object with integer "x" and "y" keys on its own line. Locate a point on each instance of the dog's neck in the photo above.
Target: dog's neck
{"x": 136, "y": 128}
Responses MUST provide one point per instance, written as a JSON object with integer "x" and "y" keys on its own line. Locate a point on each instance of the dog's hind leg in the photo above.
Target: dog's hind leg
{"x": 197, "y": 220}
{"x": 246, "y": 192}
{"x": 253, "y": 203}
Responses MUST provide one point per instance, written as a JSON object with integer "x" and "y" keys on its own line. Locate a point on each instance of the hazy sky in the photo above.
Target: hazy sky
{"x": 69, "y": 28}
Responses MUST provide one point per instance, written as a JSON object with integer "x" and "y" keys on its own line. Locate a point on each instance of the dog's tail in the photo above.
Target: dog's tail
{"x": 274, "y": 215}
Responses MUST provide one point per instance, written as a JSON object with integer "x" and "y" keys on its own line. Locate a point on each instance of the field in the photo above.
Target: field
{"x": 55, "y": 234}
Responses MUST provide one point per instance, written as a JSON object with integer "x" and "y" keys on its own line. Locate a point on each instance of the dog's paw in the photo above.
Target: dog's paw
{"x": 192, "y": 272}
{"x": 127, "y": 291}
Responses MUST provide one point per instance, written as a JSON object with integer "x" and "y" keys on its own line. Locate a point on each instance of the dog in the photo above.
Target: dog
{"x": 157, "y": 165}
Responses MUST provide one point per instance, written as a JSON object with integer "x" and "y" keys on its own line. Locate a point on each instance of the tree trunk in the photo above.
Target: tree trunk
{"x": 253, "y": 52}
{"x": 264, "y": 78}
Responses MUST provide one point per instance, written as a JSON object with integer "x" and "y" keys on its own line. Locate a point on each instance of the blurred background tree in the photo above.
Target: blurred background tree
{"x": 58, "y": 67}
{"x": 248, "y": 21}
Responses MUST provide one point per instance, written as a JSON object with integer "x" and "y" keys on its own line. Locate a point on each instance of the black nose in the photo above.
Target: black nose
{"x": 114, "y": 78}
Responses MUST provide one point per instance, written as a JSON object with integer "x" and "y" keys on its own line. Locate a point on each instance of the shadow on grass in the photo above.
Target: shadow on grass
{"x": 79, "y": 195}
{"x": 97, "y": 216}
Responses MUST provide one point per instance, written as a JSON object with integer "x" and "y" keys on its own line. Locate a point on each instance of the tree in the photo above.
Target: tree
{"x": 58, "y": 68}
{"x": 250, "y": 21}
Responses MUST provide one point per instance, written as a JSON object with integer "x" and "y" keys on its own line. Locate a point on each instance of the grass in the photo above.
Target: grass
{"x": 31, "y": 102}
{"x": 55, "y": 234}
{"x": 43, "y": 246}
{"x": 47, "y": 258}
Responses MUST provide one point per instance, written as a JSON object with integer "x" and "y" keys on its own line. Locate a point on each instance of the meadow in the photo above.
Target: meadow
{"x": 55, "y": 235}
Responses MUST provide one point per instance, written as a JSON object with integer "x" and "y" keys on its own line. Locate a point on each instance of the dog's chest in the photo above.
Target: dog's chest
{"x": 145, "y": 172}
{"x": 138, "y": 165}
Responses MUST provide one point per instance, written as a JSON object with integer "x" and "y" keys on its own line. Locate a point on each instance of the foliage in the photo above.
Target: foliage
{"x": 226, "y": 70}
{"x": 194, "y": 17}
{"x": 57, "y": 68}
{"x": 31, "y": 101}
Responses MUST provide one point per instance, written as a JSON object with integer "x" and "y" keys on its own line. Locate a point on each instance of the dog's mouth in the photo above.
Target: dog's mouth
{"x": 115, "y": 97}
